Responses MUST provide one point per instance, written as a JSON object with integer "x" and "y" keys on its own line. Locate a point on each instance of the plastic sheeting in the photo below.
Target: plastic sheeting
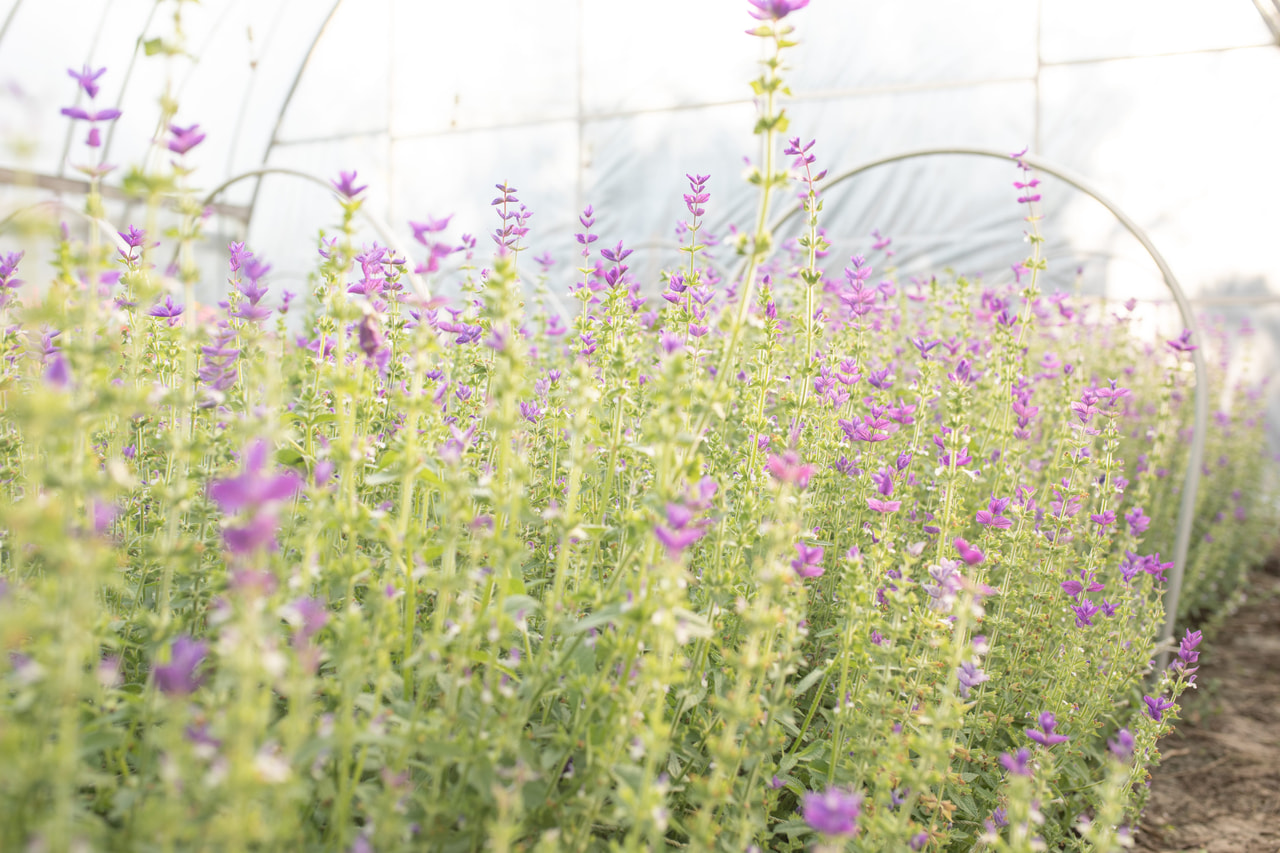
{"x": 1168, "y": 107}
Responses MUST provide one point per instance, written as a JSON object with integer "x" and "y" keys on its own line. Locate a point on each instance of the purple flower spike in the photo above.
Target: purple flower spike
{"x": 184, "y": 138}
{"x": 81, "y": 114}
{"x": 1122, "y": 746}
{"x": 1182, "y": 343}
{"x": 252, "y": 488}
{"x": 87, "y": 78}
{"x": 345, "y": 185}
{"x": 675, "y": 541}
{"x": 808, "y": 562}
{"x": 178, "y": 678}
{"x": 833, "y": 812}
{"x": 787, "y": 468}
{"x": 774, "y": 10}
{"x": 1138, "y": 520}
{"x": 967, "y": 552}
{"x": 56, "y": 373}
{"x": 312, "y": 616}
{"x": 1157, "y": 706}
{"x": 1017, "y": 763}
{"x": 1044, "y": 735}
{"x": 970, "y": 675}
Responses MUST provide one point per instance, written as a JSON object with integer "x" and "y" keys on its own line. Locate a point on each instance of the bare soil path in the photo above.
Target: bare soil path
{"x": 1218, "y": 788}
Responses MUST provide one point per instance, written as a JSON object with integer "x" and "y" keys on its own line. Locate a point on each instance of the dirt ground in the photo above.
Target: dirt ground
{"x": 1218, "y": 788}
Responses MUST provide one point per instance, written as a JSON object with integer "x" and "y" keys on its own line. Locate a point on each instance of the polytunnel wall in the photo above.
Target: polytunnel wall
{"x": 1168, "y": 107}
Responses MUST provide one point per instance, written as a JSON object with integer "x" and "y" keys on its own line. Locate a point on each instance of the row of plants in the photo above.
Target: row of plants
{"x": 802, "y": 556}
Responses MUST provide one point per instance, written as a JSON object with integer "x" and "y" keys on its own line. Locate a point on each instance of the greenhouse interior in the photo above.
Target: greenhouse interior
{"x": 697, "y": 424}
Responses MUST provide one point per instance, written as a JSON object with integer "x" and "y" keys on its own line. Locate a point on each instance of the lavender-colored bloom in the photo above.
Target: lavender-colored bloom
{"x": 883, "y": 506}
{"x": 431, "y": 226}
{"x": 259, "y": 531}
{"x": 370, "y": 336}
{"x": 345, "y": 185}
{"x": 1103, "y": 519}
{"x": 104, "y": 515}
{"x": 787, "y": 468}
{"x": 1156, "y": 706}
{"x": 253, "y": 488}
{"x": 680, "y": 534}
{"x": 81, "y": 114}
{"x": 87, "y": 78}
{"x": 178, "y": 678}
{"x": 970, "y": 675}
{"x": 947, "y": 582}
{"x": 169, "y": 310}
{"x": 312, "y": 616}
{"x": 808, "y": 563}
{"x": 774, "y": 10}
{"x": 56, "y": 372}
{"x": 833, "y": 812}
{"x": 1085, "y": 611}
{"x": 1045, "y": 734}
{"x": 1187, "y": 648}
{"x": 1138, "y": 521}
{"x": 968, "y": 553}
{"x": 1017, "y": 763}
{"x": 993, "y": 516}
{"x": 1182, "y": 343}
{"x": 1122, "y": 746}
{"x": 184, "y": 138}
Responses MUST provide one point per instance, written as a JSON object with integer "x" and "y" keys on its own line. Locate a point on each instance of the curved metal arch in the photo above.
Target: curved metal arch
{"x": 379, "y": 225}
{"x": 1191, "y": 483}
{"x": 288, "y": 99}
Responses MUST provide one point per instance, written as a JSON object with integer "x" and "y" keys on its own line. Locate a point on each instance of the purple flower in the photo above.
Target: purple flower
{"x": 257, "y": 492}
{"x": 1138, "y": 521}
{"x": 177, "y": 678}
{"x": 81, "y": 114}
{"x": 312, "y": 615}
{"x": 833, "y": 812}
{"x": 808, "y": 563}
{"x": 431, "y": 226}
{"x": 947, "y": 582}
{"x": 993, "y": 516}
{"x": 87, "y": 78}
{"x": 884, "y": 506}
{"x": 345, "y": 185}
{"x": 252, "y": 488}
{"x": 168, "y": 310}
{"x": 970, "y": 675}
{"x": 967, "y": 552}
{"x": 1103, "y": 519}
{"x": 774, "y": 10}
{"x": 787, "y": 468}
{"x": 1157, "y": 706}
{"x": 1122, "y": 746}
{"x": 1085, "y": 611}
{"x": 1044, "y": 735}
{"x": 1182, "y": 343}
{"x": 1017, "y": 763}
{"x": 184, "y": 138}
{"x": 56, "y": 372}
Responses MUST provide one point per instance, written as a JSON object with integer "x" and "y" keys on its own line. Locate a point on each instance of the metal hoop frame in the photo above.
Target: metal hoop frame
{"x": 1191, "y": 482}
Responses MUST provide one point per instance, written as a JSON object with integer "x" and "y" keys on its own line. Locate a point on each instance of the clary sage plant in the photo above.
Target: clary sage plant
{"x": 803, "y": 556}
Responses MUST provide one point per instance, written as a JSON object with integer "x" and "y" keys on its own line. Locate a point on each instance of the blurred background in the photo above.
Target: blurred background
{"x": 1171, "y": 109}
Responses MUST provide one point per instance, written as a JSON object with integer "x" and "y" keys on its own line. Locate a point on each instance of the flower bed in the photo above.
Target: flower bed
{"x": 765, "y": 561}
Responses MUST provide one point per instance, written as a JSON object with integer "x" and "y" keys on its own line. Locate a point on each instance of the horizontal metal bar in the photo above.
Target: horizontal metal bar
{"x": 74, "y": 186}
